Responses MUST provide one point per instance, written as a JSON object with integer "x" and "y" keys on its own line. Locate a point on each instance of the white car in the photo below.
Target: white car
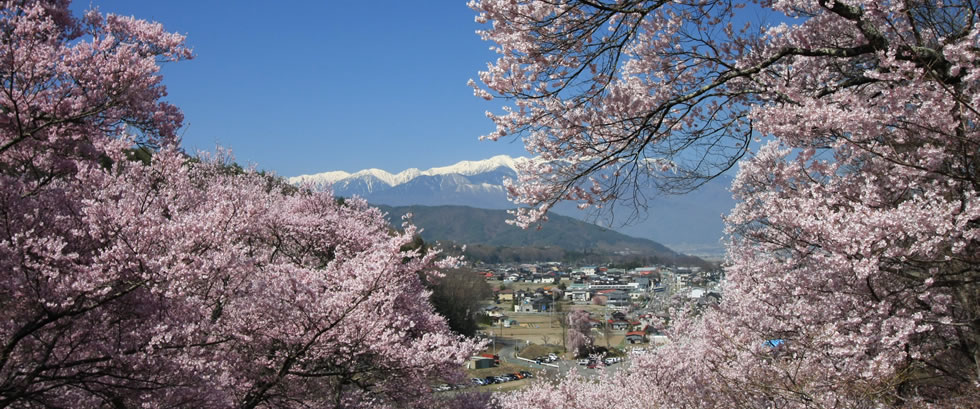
{"x": 553, "y": 357}
{"x": 583, "y": 361}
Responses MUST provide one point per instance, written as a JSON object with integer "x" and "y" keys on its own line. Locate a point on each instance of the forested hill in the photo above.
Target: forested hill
{"x": 487, "y": 228}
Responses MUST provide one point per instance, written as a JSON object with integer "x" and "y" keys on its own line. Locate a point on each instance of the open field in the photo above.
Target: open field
{"x": 535, "y": 350}
{"x": 544, "y": 328}
{"x": 538, "y": 328}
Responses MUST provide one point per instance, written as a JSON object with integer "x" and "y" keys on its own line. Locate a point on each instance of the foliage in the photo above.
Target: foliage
{"x": 484, "y": 320}
{"x": 856, "y": 240}
{"x": 457, "y": 295}
{"x": 165, "y": 281}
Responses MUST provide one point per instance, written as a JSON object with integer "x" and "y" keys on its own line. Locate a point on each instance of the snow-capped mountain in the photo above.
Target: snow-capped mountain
{"x": 690, "y": 223}
{"x": 377, "y": 179}
{"x": 467, "y": 183}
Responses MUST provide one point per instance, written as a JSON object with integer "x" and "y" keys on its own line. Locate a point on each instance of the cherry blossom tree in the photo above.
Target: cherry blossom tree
{"x": 178, "y": 281}
{"x": 856, "y": 239}
{"x": 579, "y": 335}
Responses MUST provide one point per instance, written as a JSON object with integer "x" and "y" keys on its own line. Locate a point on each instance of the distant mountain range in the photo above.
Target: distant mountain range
{"x": 690, "y": 223}
{"x": 469, "y": 225}
{"x": 467, "y": 183}
{"x": 486, "y": 235}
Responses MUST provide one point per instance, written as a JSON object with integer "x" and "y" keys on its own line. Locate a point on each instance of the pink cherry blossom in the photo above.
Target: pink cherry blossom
{"x": 183, "y": 282}
{"x": 856, "y": 237}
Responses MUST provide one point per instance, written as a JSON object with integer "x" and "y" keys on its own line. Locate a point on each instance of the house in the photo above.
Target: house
{"x": 479, "y": 362}
{"x": 586, "y": 271}
{"x": 646, "y": 271}
{"x": 617, "y": 298}
{"x": 550, "y": 291}
{"x": 542, "y": 303}
{"x": 534, "y": 304}
{"x": 505, "y": 295}
{"x": 636, "y": 337}
{"x": 578, "y": 295}
{"x": 615, "y": 272}
{"x": 494, "y": 311}
{"x": 619, "y": 325}
{"x": 654, "y": 335}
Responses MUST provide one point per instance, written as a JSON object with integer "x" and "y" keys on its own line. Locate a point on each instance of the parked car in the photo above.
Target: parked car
{"x": 583, "y": 361}
{"x": 553, "y": 357}
{"x": 490, "y": 380}
{"x": 526, "y": 374}
{"x": 479, "y": 381}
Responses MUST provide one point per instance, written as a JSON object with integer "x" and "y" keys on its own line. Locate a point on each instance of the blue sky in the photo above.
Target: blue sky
{"x": 304, "y": 87}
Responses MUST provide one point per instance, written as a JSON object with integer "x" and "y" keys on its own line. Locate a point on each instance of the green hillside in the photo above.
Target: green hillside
{"x": 487, "y": 228}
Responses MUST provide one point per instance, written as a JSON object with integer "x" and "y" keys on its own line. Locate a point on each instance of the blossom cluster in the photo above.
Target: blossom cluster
{"x": 855, "y": 242}
{"x": 134, "y": 275}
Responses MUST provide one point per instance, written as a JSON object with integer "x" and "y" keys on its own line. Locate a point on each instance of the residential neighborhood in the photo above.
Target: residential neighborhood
{"x": 526, "y": 320}
{"x": 620, "y": 289}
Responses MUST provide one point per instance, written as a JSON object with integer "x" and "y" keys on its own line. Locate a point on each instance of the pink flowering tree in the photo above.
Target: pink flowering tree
{"x": 579, "y": 335}
{"x": 852, "y": 275}
{"x": 180, "y": 282}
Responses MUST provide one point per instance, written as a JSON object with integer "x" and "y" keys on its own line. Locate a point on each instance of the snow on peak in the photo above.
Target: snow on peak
{"x": 466, "y": 168}
{"x": 383, "y": 176}
{"x": 469, "y": 168}
{"x": 325, "y": 177}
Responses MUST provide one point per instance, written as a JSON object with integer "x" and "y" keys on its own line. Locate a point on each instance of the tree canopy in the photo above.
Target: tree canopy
{"x": 856, "y": 238}
{"x": 170, "y": 282}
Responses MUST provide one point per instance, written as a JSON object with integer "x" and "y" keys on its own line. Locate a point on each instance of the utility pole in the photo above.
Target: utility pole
{"x": 551, "y": 312}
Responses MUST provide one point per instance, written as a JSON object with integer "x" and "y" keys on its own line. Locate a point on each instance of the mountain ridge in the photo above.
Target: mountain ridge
{"x": 486, "y": 227}
{"x": 689, "y": 223}
{"x": 466, "y": 168}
